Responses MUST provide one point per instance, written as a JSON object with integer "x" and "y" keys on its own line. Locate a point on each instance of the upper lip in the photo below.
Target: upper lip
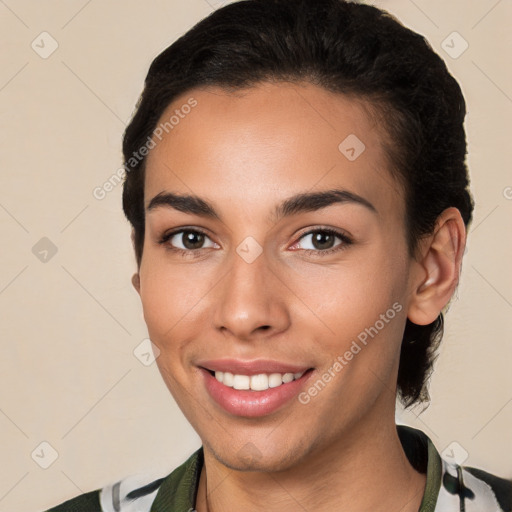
{"x": 253, "y": 367}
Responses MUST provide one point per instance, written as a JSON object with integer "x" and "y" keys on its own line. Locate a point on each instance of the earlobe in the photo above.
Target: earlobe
{"x": 438, "y": 270}
{"x": 136, "y": 282}
{"x": 135, "y": 277}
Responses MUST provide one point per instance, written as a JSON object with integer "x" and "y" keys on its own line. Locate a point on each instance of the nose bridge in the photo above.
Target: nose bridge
{"x": 249, "y": 299}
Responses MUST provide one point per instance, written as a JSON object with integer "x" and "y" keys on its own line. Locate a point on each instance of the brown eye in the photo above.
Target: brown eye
{"x": 322, "y": 240}
{"x": 192, "y": 239}
{"x": 188, "y": 240}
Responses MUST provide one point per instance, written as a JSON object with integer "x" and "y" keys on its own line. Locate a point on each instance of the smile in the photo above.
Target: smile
{"x": 259, "y": 382}
{"x": 253, "y": 388}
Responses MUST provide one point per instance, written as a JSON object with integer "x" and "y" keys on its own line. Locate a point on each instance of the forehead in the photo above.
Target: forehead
{"x": 271, "y": 140}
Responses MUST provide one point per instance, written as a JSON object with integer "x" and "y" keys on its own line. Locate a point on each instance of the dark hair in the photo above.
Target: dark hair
{"x": 344, "y": 47}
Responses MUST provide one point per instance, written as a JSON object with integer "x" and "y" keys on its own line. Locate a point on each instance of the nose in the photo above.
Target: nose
{"x": 251, "y": 300}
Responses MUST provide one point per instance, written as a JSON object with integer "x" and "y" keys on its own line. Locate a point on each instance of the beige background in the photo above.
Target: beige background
{"x": 70, "y": 325}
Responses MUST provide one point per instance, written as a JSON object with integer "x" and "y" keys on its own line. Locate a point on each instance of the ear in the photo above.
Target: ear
{"x": 136, "y": 282}
{"x": 135, "y": 277}
{"x": 437, "y": 271}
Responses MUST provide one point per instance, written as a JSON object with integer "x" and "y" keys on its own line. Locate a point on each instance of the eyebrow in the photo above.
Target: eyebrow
{"x": 299, "y": 203}
{"x": 183, "y": 203}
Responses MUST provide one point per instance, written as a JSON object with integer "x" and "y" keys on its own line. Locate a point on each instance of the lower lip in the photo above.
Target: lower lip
{"x": 252, "y": 404}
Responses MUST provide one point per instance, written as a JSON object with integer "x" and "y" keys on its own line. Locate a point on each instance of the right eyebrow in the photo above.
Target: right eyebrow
{"x": 183, "y": 203}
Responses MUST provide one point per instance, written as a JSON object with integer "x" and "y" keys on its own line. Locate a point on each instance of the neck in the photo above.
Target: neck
{"x": 365, "y": 470}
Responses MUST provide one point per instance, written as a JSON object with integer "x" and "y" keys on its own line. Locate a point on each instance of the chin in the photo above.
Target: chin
{"x": 251, "y": 458}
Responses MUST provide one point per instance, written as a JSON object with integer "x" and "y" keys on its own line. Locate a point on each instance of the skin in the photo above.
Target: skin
{"x": 245, "y": 153}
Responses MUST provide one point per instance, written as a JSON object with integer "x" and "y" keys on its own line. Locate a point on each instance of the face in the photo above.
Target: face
{"x": 274, "y": 259}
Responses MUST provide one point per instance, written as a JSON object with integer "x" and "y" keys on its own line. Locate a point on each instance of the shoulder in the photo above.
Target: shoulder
{"x": 452, "y": 486}
{"x": 135, "y": 493}
{"x": 475, "y": 489}
{"x": 132, "y": 494}
{"x": 142, "y": 492}
{"x": 88, "y": 502}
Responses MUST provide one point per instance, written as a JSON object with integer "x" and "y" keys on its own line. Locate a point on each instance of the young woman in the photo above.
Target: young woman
{"x": 297, "y": 187}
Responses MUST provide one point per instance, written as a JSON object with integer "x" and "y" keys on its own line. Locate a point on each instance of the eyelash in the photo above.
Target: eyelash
{"x": 194, "y": 253}
{"x": 345, "y": 239}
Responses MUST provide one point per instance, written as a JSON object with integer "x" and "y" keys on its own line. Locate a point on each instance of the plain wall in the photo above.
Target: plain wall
{"x": 69, "y": 325}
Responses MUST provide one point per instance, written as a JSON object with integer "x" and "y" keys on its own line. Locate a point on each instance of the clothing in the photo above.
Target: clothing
{"x": 449, "y": 487}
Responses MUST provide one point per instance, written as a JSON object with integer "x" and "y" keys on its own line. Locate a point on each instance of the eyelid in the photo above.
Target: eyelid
{"x": 346, "y": 240}
{"x": 164, "y": 239}
{"x": 334, "y": 231}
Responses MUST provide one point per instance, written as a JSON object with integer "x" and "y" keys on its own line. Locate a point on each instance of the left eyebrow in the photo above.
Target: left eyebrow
{"x": 312, "y": 201}
{"x": 305, "y": 202}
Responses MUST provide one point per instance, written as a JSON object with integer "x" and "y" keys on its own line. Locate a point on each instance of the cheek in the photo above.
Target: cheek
{"x": 170, "y": 300}
{"x": 170, "y": 297}
{"x": 359, "y": 316}
{"x": 178, "y": 308}
{"x": 352, "y": 293}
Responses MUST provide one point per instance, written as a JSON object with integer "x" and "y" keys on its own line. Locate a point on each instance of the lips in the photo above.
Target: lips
{"x": 250, "y": 388}
{"x": 255, "y": 367}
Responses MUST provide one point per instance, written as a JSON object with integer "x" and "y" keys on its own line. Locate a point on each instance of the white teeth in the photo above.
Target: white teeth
{"x": 241, "y": 382}
{"x": 287, "y": 377}
{"x": 227, "y": 379}
{"x": 274, "y": 380}
{"x": 259, "y": 382}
